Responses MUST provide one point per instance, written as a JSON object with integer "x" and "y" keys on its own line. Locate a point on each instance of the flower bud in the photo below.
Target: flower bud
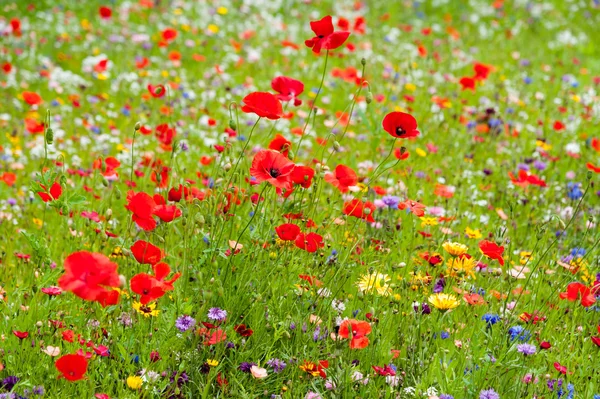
{"x": 104, "y": 182}
{"x": 589, "y": 174}
{"x": 117, "y": 193}
{"x": 138, "y": 126}
{"x": 227, "y": 167}
{"x": 336, "y": 145}
{"x": 232, "y": 124}
{"x": 363, "y": 61}
{"x": 291, "y": 155}
{"x": 369, "y": 98}
{"x": 49, "y": 136}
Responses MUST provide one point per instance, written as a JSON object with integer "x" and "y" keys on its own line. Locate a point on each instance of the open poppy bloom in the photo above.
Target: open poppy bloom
{"x": 357, "y": 331}
{"x": 287, "y": 231}
{"x": 142, "y": 205}
{"x": 161, "y": 271}
{"x": 526, "y": 179}
{"x": 467, "y": 83}
{"x": 157, "y": 91}
{"x": 242, "y": 330}
{"x": 108, "y": 166}
{"x": 578, "y": 291}
{"x": 309, "y": 242}
{"x": 147, "y": 287}
{"x": 280, "y": 144}
{"x": 105, "y": 12}
{"x": 273, "y": 167}
{"x": 415, "y": 207}
{"x": 50, "y": 195}
{"x": 88, "y": 274}
{"x": 72, "y": 367}
{"x": 167, "y": 213}
{"x": 492, "y": 250}
{"x": 360, "y": 210}
{"x": 482, "y": 71}
{"x": 342, "y": 178}
{"x": 325, "y": 37}
{"x": 288, "y": 89}
{"x": 146, "y": 253}
{"x": 32, "y": 98}
{"x": 263, "y": 104}
{"x": 303, "y": 175}
{"x": 400, "y": 125}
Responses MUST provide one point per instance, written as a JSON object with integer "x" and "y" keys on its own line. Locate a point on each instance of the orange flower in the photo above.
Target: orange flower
{"x": 357, "y": 330}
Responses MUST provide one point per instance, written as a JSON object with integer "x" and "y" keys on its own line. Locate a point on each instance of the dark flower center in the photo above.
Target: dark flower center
{"x": 400, "y": 131}
{"x": 274, "y": 172}
{"x": 321, "y": 36}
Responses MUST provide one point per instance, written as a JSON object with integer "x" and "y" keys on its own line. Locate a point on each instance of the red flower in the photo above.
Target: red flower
{"x": 558, "y": 126}
{"x": 596, "y": 340}
{"x": 492, "y": 250}
{"x": 68, "y": 335}
{"x": 312, "y": 280}
{"x": 169, "y": 34}
{"x": 165, "y": 135}
{"x": 242, "y": 330}
{"x": 342, "y": 178}
{"x": 52, "y": 291}
{"x": 108, "y": 166}
{"x": 157, "y": 91}
{"x": 72, "y": 367}
{"x": 263, "y": 104}
{"x": 147, "y": 287}
{"x": 142, "y": 205}
{"x": 526, "y": 179}
{"x": 400, "y": 125}
{"x": 32, "y": 98}
{"x": 87, "y": 274}
{"x": 309, "y": 242}
{"x": 561, "y": 369}
{"x": 416, "y": 208}
{"x": 545, "y": 345}
{"x": 50, "y": 195}
{"x": 592, "y": 167}
{"x": 303, "y": 175}
{"x": 273, "y": 167}
{"x": 105, "y": 12}
{"x": 167, "y": 213}
{"x": 578, "y": 291}
{"x": 467, "y": 83}
{"x": 481, "y": 71}
{"x": 288, "y": 89}
{"x": 287, "y": 231}
{"x": 280, "y": 144}
{"x": 357, "y": 330}
{"x": 325, "y": 38}
{"x": 21, "y": 334}
{"x": 146, "y": 253}
{"x": 401, "y": 153}
{"x": 161, "y": 271}
{"x": 385, "y": 370}
{"x": 360, "y": 210}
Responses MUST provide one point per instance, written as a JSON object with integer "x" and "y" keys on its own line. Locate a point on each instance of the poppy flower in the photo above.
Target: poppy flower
{"x": 142, "y": 205}
{"x": 20, "y": 334}
{"x": 9, "y": 178}
{"x": 263, "y": 104}
{"x": 482, "y": 71}
{"x": 400, "y": 125}
{"x": 357, "y": 331}
{"x": 87, "y": 274}
{"x": 273, "y": 167}
{"x": 107, "y": 166}
{"x": 309, "y": 242}
{"x": 303, "y": 175}
{"x": 32, "y": 98}
{"x": 467, "y": 83}
{"x": 280, "y": 144}
{"x": 105, "y": 12}
{"x": 416, "y": 208}
{"x": 592, "y": 167}
{"x": 147, "y": 287}
{"x": 242, "y": 330}
{"x": 169, "y": 34}
{"x": 545, "y": 345}
{"x": 167, "y": 213}
{"x": 146, "y": 253}
{"x": 312, "y": 280}
{"x": 287, "y": 231}
{"x": 360, "y": 210}
{"x": 492, "y": 250}
{"x": 578, "y": 291}
{"x": 72, "y": 367}
{"x": 342, "y": 178}
{"x": 161, "y": 271}
{"x": 288, "y": 89}
{"x": 325, "y": 37}
{"x": 401, "y": 153}
{"x": 165, "y": 135}
{"x": 558, "y": 126}
{"x": 157, "y": 91}
{"x": 526, "y": 179}
{"x": 53, "y": 194}
{"x": 560, "y": 368}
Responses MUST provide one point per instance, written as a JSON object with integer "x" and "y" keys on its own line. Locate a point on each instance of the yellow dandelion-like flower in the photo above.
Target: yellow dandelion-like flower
{"x": 419, "y": 278}
{"x": 526, "y": 257}
{"x": 212, "y": 362}
{"x": 443, "y": 301}
{"x": 378, "y": 282}
{"x": 455, "y": 248}
{"x": 134, "y": 382}
{"x": 146, "y": 310}
{"x": 460, "y": 267}
{"x": 473, "y": 233}
{"x": 428, "y": 221}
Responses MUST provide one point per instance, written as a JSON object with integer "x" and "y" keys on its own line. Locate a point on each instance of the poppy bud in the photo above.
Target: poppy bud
{"x": 363, "y": 61}
{"x": 318, "y": 167}
{"x": 104, "y": 182}
{"x": 39, "y": 324}
{"x": 367, "y": 211}
{"x": 117, "y": 193}
{"x": 336, "y": 145}
{"x": 122, "y": 281}
{"x": 232, "y": 124}
{"x": 369, "y": 98}
{"x": 227, "y": 167}
{"x": 220, "y": 291}
{"x": 291, "y": 155}
{"x": 589, "y": 174}
{"x": 138, "y": 126}
{"x": 108, "y": 214}
{"x": 49, "y": 136}
{"x": 63, "y": 180}
{"x": 159, "y": 238}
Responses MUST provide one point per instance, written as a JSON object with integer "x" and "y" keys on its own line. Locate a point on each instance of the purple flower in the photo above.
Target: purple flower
{"x": 182, "y": 378}
{"x": 526, "y": 349}
{"x": 9, "y": 382}
{"x": 446, "y": 396}
{"x": 277, "y": 364}
{"x": 185, "y": 323}
{"x": 391, "y": 201}
{"x": 439, "y": 285}
{"x": 246, "y": 366}
{"x": 488, "y": 394}
{"x": 217, "y": 314}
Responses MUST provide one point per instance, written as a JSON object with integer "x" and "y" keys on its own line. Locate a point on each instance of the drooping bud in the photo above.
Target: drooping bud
{"x": 336, "y": 145}
{"x": 369, "y": 98}
{"x": 232, "y": 124}
{"x": 138, "y": 126}
{"x": 49, "y": 136}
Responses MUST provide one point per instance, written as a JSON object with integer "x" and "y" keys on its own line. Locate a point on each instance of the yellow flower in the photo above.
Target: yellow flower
{"x": 146, "y": 310}
{"x": 459, "y": 267}
{"x": 375, "y": 282}
{"x": 526, "y": 257}
{"x": 473, "y": 233}
{"x": 134, "y": 382}
{"x": 213, "y": 28}
{"x": 428, "y": 221}
{"x": 455, "y": 248}
{"x": 443, "y": 301}
{"x": 212, "y": 362}
{"x": 419, "y": 278}
{"x": 222, "y": 10}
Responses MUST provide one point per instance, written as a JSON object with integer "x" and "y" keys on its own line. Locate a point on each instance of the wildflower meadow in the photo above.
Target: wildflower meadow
{"x": 300, "y": 199}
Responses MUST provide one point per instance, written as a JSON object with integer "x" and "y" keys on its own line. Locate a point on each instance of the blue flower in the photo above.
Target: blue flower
{"x": 491, "y": 319}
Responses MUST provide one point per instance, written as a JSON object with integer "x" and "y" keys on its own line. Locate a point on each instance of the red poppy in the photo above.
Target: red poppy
{"x": 146, "y": 253}
{"x": 167, "y": 213}
{"x": 467, "y": 83}
{"x": 32, "y": 98}
{"x": 33, "y": 126}
{"x": 215, "y": 337}
{"x": 560, "y": 368}
{"x": 309, "y": 242}
{"x": 288, "y": 89}
{"x": 165, "y": 135}
{"x": 87, "y": 274}
{"x": 482, "y": 71}
{"x": 287, "y": 231}
{"x": 312, "y": 280}
{"x": 142, "y": 205}
{"x": 273, "y": 167}
{"x": 578, "y": 291}
{"x": 415, "y": 207}
{"x": 263, "y": 104}
{"x": 147, "y": 287}
{"x": 72, "y": 367}
{"x": 360, "y": 210}
{"x": 107, "y": 166}
{"x": 592, "y": 167}
{"x": 325, "y": 37}
{"x": 53, "y": 194}
{"x": 596, "y": 340}
{"x": 492, "y": 250}
{"x": 280, "y": 144}
{"x": 433, "y": 259}
{"x": 161, "y": 271}
{"x": 157, "y": 91}
{"x": 21, "y": 334}
{"x": 401, "y": 153}
{"x": 400, "y": 125}
{"x": 9, "y": 178}
{"x": 357, "y": 330}
{"x": 342, "y": 178}
{"x": 242, "y": 330}
{"x": 559, "y": 126}
{"x": 385, "y": 371}
{"x": 169, "y": 34}
{"x": 105, "y": 12}
{"x": 68, "y": 335}
{"x": 545, "y": 345}
{"x": 303, "y": 175}
{"x": 176, "y": 193}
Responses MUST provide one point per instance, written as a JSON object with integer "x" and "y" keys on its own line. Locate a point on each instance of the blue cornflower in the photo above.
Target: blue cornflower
{"x": 488, "y": 394}
{"x": 184, "y": 323}
{"x": 574, "y": 191}
{"x": 491, "y": 319}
